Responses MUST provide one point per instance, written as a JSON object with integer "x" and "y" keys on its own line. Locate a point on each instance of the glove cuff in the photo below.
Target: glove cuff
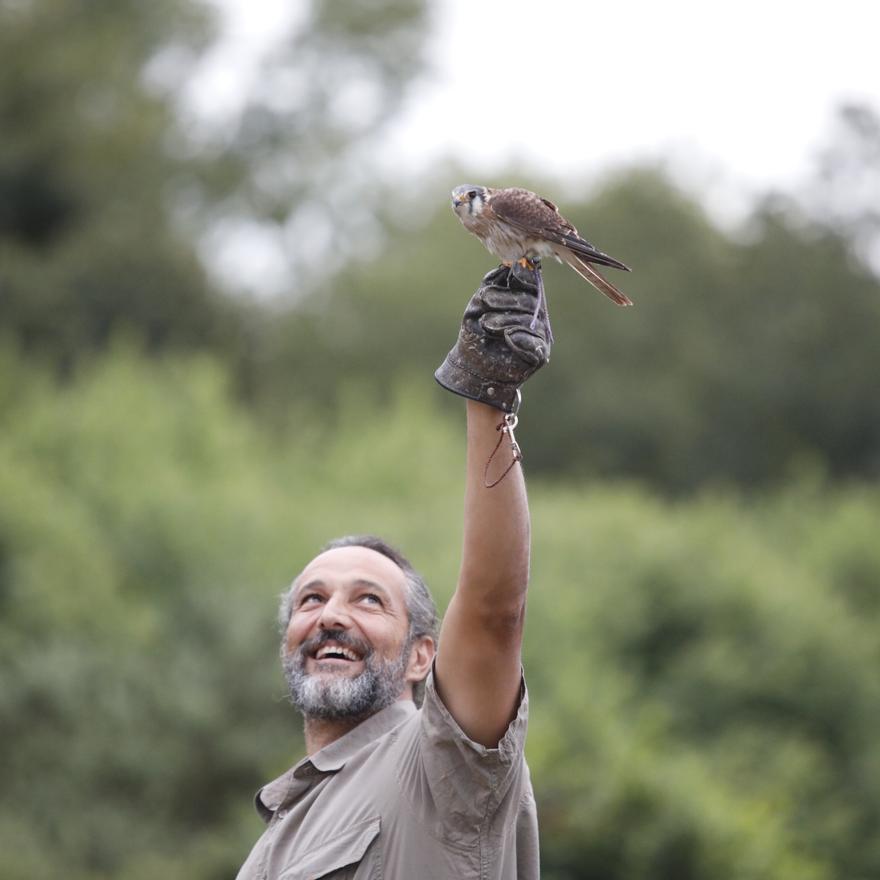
{"x": 455, "y": 376}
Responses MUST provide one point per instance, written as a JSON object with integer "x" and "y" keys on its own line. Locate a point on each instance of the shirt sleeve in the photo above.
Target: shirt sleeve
{"x": 460, "y": 788}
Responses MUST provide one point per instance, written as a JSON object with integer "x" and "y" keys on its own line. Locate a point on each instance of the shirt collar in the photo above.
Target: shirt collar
{"x": 331, "y": 758}
{"x": 334, "y": 756}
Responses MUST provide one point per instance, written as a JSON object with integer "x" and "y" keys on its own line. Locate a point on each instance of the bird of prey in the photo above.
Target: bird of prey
{"x": 517, "y": 225}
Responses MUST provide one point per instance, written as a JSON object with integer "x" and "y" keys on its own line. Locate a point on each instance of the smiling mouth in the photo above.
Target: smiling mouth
{"x": 335, "y": 652}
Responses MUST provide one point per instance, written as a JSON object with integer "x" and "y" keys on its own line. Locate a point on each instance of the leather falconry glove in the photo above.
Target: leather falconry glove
{"x": 497, "y": 348}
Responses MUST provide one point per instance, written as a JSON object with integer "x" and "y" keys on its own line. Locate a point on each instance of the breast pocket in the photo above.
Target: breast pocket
{"x": 344, "y": 857}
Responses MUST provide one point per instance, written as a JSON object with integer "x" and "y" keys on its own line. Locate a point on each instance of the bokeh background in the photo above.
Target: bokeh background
{"x": 227, "y": 271}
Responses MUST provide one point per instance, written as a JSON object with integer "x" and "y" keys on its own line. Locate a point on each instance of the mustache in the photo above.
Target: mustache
{"x": 309, "y": 647}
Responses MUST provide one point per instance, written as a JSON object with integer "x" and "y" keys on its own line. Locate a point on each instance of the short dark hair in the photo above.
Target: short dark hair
{"x": 420, "y": 607}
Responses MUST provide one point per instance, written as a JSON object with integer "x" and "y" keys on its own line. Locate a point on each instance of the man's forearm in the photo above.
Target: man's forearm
{"x": 495, "y": 554}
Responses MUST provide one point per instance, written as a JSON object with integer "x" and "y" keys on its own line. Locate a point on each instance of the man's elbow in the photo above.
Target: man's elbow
{"x": 503, "y": 619}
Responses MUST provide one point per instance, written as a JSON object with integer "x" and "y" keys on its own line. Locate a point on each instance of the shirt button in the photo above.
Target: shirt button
{"x": 281, "y": 814}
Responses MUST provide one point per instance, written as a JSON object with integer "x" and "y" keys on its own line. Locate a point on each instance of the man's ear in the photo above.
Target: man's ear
{"x": 421, "y": 656}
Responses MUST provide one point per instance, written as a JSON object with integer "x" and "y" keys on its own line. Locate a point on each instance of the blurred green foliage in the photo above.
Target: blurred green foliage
{"x": 705, "y": 701}
{"x": 87, "y": 243}
{"x": 110, "y": 190}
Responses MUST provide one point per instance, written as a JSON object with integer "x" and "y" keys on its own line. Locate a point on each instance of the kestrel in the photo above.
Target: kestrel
{"x": 517, "y": 225}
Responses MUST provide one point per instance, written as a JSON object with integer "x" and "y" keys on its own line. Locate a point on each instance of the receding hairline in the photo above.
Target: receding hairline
{"x": 351, "y": 548}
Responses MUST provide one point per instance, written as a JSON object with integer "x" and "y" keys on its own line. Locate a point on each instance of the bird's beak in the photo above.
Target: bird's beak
{"x": 458, "y": 200}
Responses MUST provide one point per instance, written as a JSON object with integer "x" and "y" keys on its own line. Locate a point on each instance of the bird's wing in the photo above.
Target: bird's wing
{"x": 588, "y": 273}
{"x": 589, "y": 252}
{"x": 528, "y": 212}
{"x": 540, "y": 218}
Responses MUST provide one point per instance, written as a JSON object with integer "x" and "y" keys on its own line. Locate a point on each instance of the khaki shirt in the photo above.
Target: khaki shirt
{"x": 404, "y": 796}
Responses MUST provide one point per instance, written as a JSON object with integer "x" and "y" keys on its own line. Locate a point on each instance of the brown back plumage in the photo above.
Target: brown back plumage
{"x": 540, "y": 218}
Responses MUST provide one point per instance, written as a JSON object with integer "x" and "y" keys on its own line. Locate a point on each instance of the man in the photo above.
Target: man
{"x": 388, "y": 789}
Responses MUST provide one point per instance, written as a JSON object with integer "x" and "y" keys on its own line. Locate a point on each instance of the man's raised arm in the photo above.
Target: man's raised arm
{"x": 478, "y": 664}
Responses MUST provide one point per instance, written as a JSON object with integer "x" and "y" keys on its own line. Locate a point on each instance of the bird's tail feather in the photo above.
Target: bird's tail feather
{"x": 588, "y": 273}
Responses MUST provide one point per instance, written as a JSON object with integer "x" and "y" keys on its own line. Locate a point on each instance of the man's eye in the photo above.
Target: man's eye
{"x": 371, "y": 599}
{"x": 309, "y": 598}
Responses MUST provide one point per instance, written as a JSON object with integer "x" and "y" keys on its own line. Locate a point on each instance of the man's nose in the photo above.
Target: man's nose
{"x": 334, "y": 614}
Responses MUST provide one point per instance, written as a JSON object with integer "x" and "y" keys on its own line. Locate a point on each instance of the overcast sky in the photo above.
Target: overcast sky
{"x": 749, "y": 86}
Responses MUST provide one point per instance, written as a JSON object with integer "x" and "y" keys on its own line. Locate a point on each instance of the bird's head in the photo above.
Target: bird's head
{"x": 468, "y": 200}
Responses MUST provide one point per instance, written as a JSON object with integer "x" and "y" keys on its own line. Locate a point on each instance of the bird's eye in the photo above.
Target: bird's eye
{"x": 472, "y": 194}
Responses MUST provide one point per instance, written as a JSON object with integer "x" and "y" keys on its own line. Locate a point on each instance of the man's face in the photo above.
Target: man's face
{"x": 345, "y": 651}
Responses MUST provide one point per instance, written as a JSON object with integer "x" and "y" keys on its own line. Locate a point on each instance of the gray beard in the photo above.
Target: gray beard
{"x": 334, "y": 698}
